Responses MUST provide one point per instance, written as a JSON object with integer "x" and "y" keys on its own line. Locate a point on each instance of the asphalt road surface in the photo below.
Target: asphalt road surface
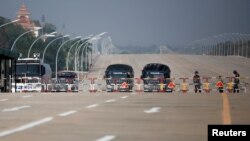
{"x": 132, "y": 116}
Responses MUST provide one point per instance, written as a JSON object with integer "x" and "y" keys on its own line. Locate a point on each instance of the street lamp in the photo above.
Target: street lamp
{"x": 85, "y": 49}
{"x": 101, "y": 35}
{"x": 93, "y": 48}
{"x": 110, "y": 45}
{"x": 42, "y": 36}
{"x": 228, "y": 44}
{"x": 77, "y": 43}
{"x": 233, "y": 50}
{"x": 219, "y": 42}
{"x": 51, "y": 43}
{"x": 238, "y": 41}
{"x": 85, "y": 40}
{"x": 246, "y": 36}
{"x": 12, "y": 47}
{"x": 67, "y": 59}
{"x": 96, "y": 37}
{"x": 77, "y": 52}
{"x": 59, "y": 50}
{"x": 9, "y": 23}
{"x": 205, "y": 47}
{"x": 77, "y": 55}
{"x": 242, "y": 45}
{"x": 84, "y": 44}
{"x": 223, "y": 45}
{"x": 214, "y": 45}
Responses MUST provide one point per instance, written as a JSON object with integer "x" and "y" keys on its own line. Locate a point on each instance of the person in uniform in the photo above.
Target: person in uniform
{"x": 236, "y": 81}
{"x": 197, "y": 82}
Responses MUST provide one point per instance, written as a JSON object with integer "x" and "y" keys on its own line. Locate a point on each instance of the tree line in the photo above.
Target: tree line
{"x": 9, "y": 33}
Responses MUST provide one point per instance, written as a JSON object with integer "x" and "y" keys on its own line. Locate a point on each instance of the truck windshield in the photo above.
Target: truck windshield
{"x": 28, "y": 70}
{"x": 155, "y": 75}
{"x": 68, "y": 75}
{"x": 118, "y": 75}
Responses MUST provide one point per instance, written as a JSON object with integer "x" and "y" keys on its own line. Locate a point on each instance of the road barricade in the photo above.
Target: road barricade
{"x": 84, "y": 85}
{"x": 92, "y": 85}
{"x": 27, "y": 84}
{"x": 171, "y": 86}
{"x": 230, "y": 84}
{"x": 119, "y": 84}
{"x": 158, "y": 85}
{"x": 138, "y": 85}
{"x": 62, "y": 85}
{"x": 184, "y": 86}
{"x": 162, "y": 85}
{"x": 44, "y": 88}
{"x": 206, "y": 86}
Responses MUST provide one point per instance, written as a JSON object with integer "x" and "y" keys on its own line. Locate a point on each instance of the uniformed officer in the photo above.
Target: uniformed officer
{"x": 197, "y": 82}
{"x": 236, "y": 81}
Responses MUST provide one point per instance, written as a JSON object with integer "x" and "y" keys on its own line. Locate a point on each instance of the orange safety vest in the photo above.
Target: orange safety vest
{"x": 219, "y": 84}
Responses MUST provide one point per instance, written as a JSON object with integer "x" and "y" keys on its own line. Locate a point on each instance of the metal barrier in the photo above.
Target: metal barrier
{"x": 92, "y": 85}
{"x": 60, "y": 85}
{"x": 121, "y": 84}
{"x": 27, "y": 84}
{"x": 206, "y": 87}
{"x": 138, "y": 85}
{"x": 182, "y": 85}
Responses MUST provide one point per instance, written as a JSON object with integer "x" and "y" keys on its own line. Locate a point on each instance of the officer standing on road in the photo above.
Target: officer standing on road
{"x": 197, "y": 82}
{"x": 236, "y": 81}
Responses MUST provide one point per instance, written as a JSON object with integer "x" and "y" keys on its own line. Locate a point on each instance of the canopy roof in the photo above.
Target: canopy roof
{"x": 7, "y": 54}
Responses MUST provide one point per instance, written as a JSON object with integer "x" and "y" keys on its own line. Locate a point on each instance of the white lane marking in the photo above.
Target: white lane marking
{"x": 67, "y": 113}
{"x": 106, "y": 138}
{"x": 16, "y": 108}
{"x": 110, "y": 100}
{"x": 123, "y": 97}
{"x": 2, "y": 100}
{"x": 152, "y": 110}
{"x": 92, "y": 106}
{"x": 25, "y": 127}
{"x": 26, "y": 96}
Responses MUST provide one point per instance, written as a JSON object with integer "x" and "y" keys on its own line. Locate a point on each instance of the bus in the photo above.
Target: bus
{"x": 30, "y": 74}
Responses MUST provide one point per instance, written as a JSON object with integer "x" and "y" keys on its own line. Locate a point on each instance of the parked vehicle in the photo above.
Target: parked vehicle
{"x": 66, "y": 81}
{"x": 29, "y": 74}
{"x": 156, "y": 77}
{"x": 119, "y": 77}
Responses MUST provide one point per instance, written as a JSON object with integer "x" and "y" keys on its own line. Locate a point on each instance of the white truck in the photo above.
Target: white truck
{"x": 30, "y": 73}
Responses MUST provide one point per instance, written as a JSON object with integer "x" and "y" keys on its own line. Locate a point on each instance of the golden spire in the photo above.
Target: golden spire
{"x": 23, "y": 10}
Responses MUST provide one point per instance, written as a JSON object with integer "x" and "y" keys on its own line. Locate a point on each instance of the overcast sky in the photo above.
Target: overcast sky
{"x": 140, "y": 22}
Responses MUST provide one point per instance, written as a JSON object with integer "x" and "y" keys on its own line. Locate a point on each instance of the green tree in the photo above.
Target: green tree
{"x": 48, "y": 28}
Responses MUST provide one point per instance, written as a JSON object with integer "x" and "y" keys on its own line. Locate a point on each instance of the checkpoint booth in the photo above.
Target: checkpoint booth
{"x": 7, "y": 69}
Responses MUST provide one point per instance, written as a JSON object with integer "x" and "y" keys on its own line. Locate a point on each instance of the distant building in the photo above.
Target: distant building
{"x": 24, "y": 20}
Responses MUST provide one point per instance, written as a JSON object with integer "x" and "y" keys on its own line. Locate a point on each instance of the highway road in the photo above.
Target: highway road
{"x": 132, "y": 116}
